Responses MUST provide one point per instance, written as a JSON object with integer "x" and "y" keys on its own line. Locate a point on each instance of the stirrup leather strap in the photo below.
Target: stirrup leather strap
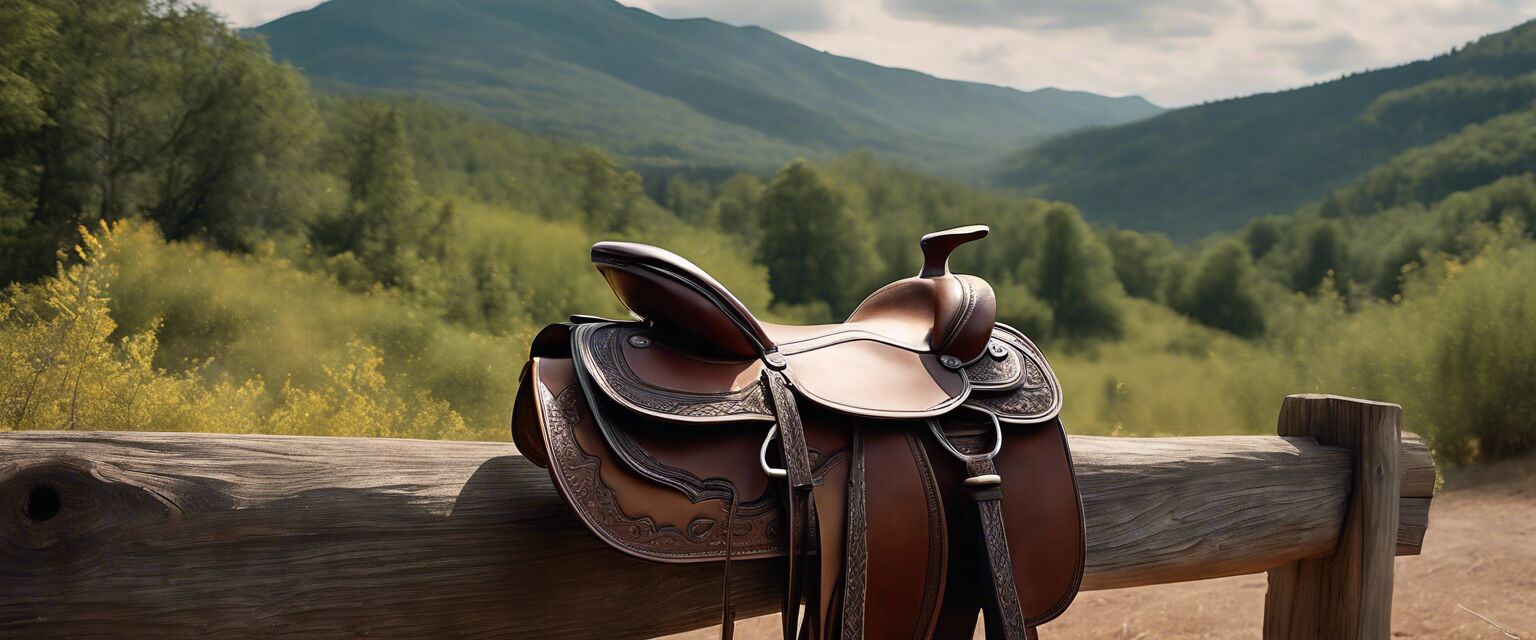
{"x": 798, "y": 485}
{"x": 1004, "y": 615}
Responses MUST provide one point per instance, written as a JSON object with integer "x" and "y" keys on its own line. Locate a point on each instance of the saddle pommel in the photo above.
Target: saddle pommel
{"x": 938, "y": 245}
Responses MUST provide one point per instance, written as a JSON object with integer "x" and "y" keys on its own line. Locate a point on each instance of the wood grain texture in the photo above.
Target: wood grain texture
{"x": 1348, "y": 593}
{"x": 1417, "y": 487}
{"x": 185, "y": 535}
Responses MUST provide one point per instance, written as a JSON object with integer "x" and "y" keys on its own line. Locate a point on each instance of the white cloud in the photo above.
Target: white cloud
{"x": 250, "y": 13}
{"x": 1174, "y": 52}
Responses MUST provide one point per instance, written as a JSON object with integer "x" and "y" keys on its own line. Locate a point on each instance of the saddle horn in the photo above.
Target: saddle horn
{"x": 938, "y": 245}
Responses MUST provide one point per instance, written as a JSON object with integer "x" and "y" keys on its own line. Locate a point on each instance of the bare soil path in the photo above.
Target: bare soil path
{"x": 1476, "y": 579}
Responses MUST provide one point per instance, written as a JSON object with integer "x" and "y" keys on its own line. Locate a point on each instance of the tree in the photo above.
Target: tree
{"x": 738, "y": 210}
{"x": 1075, "y": 275}
{"x": 1220, "y": 293}
{"x": 1322, "y": 253}
{"x": 611, "y": 196}
{"x": 689, "y": 201}
{"x": 384, "y": 226}
{"x": 1144, "y": 262}
{"x": 156, "y": 108}
{"x": 817, "y": 247}
{"x": 1262, "y": 235}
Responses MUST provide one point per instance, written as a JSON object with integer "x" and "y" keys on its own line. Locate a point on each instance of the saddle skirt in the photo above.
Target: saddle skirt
{"x": 929, "y": 489}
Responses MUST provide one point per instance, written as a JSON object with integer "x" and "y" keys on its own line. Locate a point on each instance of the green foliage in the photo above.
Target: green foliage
{"x": 816, "y": 245}
{"x": 738, "y": 209}
{"x": 1475, "y": 156}
{"x": 1076, "y": 277}
{"x": 1147, "y": 264}
{"x": 612, "y": 198}
{"x": 1368, "y": 254}
{"x": 666, "y": 93}
{"x": 1215, "y": 166}
{"x": 71, "y": 366}
{"x": 146, "y": 108}
{"x": 908, "y": 204}
{"x": 380, "y": 234}
{"x": 238, "y": 318}
{"x": 1443, "y": 104}
{"x": 1221, "y": 292}
{"x": 1453, "y": 350}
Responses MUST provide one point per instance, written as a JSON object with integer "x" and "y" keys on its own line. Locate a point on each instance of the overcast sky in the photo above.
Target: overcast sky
{"x": 1174, "y": 52}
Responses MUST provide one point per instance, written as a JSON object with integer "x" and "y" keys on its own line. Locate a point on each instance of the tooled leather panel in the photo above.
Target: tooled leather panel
{"x": 1038, "y": 396}
{"x": 999, "y": 564}
{"x": 856, "y": 549}
{"x": 586, "y": 483}
{"x": 598, "y": 487}
{"x": 993, "y": 373}
{"x": 602, "y": 355}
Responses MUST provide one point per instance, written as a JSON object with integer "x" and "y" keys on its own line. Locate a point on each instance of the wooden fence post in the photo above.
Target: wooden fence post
{"x": 1348, "y": 594}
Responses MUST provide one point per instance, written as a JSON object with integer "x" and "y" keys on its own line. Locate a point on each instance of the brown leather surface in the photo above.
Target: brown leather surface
{"x": 967, "y": 338}
{"x": 668, "y": 368}
{"x": 723, "y": 325}
{"x": 907, "y": 543}
{"x": 1040, "y": 500}
{"x": 525, "y": 419}
{"x": 1042, "y": 513}
{"x": 945, "y": 314}
{"x": 651, "y": 431}
{"x": 873, "y": 379}
{"x": 672, "y": 306}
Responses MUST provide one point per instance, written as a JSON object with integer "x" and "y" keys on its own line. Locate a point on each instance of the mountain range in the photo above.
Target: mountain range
{"x": 1216, "y": 166}
{"x": 665, "y": 92}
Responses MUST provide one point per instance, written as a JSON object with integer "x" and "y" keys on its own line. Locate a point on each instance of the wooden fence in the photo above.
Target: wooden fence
{"x": 176, "y": 534}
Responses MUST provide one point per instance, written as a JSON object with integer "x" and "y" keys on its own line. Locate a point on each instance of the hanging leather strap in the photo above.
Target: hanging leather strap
{"x": 727, "y": 608}
{"x": 855, "y": 546}
{"x": 1005, "y": 618}
{"x": 798, "y": 485}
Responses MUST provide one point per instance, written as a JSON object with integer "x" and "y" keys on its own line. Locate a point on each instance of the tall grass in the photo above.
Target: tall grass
{"x": 138, "y": 333}
{"x": 1456, "y": 349}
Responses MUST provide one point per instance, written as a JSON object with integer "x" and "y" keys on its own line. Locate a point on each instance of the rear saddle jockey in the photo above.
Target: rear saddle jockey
{"x": 908, "y": 464}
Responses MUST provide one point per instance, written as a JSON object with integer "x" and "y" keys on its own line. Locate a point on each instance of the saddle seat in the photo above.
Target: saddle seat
{"x": 909, "y": 341}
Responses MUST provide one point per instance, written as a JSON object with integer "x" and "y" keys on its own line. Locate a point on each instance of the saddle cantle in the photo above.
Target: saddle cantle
{"x": 908, "y": 463}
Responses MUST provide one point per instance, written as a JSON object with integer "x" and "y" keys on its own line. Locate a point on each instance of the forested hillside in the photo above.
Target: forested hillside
{"x": 668, "y": 92}
{"x": 1215, "y": 166}
{"x": 194, "y": 239}
{"x": 384, "y": 261}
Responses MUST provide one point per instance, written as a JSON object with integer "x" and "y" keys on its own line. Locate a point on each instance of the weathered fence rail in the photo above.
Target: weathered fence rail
{"x": 161, "y": 534}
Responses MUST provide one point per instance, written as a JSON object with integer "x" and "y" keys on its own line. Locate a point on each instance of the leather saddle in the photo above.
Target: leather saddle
{"x": 908, "y": 464}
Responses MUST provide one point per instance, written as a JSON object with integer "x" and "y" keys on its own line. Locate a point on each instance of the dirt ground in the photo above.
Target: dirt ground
{"x": 1475, "y": 579}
